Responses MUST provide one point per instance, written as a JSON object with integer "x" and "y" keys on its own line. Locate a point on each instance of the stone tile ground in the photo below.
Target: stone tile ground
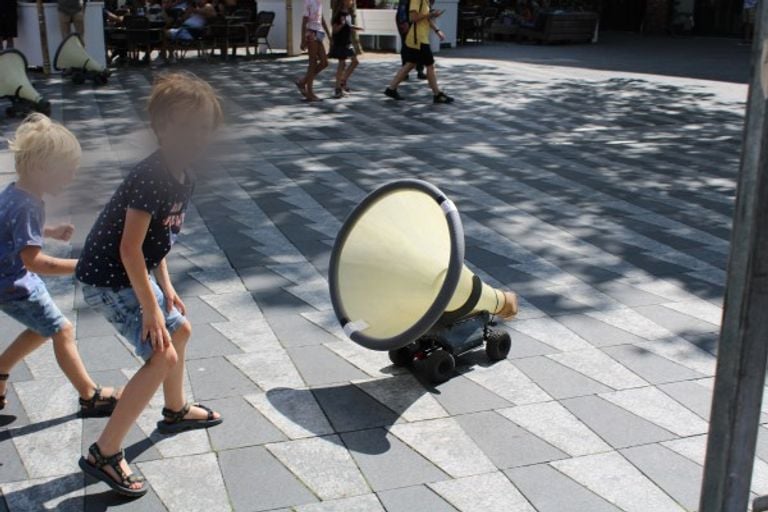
{"x": 603, "y": 197}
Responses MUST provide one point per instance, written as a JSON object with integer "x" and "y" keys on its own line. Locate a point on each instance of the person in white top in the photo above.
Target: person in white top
{"x": 314, "y": 30}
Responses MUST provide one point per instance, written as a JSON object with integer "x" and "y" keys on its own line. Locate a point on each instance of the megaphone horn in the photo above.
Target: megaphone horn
{"x": 71, "y": 56}
{"x": 15, "y": 85}
{"x": 397, "y": 269}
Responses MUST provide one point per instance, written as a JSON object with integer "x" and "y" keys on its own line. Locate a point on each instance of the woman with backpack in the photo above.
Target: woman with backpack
{"x": 417, "y": 50}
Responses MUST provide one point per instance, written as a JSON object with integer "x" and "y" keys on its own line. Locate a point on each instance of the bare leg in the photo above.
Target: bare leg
{"x": 432, "y": 78}
{"x": 24, "y": 344}
{"x": 400, "y": 76}
{"x": 68, "y": 357}
{"x": 340, "y": 73}
{"x": 351, "y": 68}
{"x": 136, "y": 395}
{"x": 173, "y": 385}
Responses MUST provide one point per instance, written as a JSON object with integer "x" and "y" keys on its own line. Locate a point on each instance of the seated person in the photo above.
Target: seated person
{"x": 194, "y": 24}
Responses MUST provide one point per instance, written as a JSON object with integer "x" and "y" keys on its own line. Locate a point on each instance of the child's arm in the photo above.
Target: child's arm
{"x": 62, "y": 232}
{"x": 35, "y": 261}
{"x": 172, "y": 298}
{"x": 325, "y": 26}
{"x": 132, "y": 256}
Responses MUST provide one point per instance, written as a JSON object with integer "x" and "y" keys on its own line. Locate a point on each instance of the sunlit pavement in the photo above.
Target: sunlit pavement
{"x": 604, "y": 197}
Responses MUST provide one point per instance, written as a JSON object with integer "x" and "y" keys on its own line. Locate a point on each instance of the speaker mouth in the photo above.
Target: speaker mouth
{"x": 355, "y": 327}
{"x": 62, "y": 45}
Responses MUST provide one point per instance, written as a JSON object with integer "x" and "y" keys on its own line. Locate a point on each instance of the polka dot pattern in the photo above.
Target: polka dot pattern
{"x": 149, "y": 187}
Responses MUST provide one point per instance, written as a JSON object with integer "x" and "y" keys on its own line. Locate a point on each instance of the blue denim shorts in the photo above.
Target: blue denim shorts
{"x": 121, "y": 308}
{"x": 36, "y": 312}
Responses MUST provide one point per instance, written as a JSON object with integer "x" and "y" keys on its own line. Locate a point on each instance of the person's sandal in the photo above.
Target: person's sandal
{"x": 174, "y": 422}
{"x": 95, "y": 469}
{"x": 338, "y": 94}
{"x": 3, "y": 401}
{"x": 393, "y": 93}
{"x": 98, "y": 406}
{"x": 441, "y": 97}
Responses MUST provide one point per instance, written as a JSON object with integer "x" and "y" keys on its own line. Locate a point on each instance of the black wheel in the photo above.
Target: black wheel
{"x": 439, "y": 366}
{"x": 101, "y": 79}
{"x": 402, "y": 356}
{"x": 497, "y": 345}
{"x": 10, "y": 112}
{"x": 78, "y": 78}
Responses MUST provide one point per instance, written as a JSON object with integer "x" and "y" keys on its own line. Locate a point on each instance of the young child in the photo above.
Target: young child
{"x": 341, "y": 47}
{"x": 313, "y": 30}
{"x": 127, "y": 244}
{"x": 47, "y": 156}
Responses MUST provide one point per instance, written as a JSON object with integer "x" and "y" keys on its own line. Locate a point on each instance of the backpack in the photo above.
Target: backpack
{"x": 402, "y": 17}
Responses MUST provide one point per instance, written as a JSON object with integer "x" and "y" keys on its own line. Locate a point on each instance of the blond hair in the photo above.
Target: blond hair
{"x": 39, "y": 141}
{"x": 182, "y": 89}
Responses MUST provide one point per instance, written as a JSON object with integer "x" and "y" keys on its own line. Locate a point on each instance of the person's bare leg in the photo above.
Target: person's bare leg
{"x": 78, "y": 20}
{"x": 432, "y": 79}
{"x": 173, "y": 385}
{"x": 312, "y": 70}
{"x": 340, "y": 73}
{"x": 351, "y": 68}
{"x": 24, "y": 344}
{"x": 136, "y": 395}
{"x": 400, "y": 76}
{"x": 68, "y": 357}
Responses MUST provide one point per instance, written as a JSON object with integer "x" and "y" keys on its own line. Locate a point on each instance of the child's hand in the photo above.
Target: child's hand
{"x": 61, "y": 232}
{"x": 153, "y": 329}
{"x": 172, "y": 300}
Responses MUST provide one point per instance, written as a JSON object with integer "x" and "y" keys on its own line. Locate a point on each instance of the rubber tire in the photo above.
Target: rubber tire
{"x": 101, "y": 79}
{"x": 78, "y": 78}
{"x": 439, "y": 366}
{"x": 497, "y": 345}
{"x": 402, "y": 356}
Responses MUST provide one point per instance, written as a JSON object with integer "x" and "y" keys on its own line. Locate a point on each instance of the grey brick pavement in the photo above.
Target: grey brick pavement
{"x": 603, "y": 197}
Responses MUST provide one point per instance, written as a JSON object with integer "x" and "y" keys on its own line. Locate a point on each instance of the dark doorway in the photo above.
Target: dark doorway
{"x": 719, "y": 17}
{"x": 622, "y": 15}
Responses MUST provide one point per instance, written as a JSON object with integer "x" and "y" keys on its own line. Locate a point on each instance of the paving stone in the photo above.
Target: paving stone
{"x": 407, "y": 499}
{"x": 296, "y": 331}
{"x": 505, "y": 444}
{"x": 549, "y": 331}
{"x": 682, "y": 352}
{"x": 444, "y": 443}
{"x": 557, "y": 380}
{"x": 492, "y": 492}
{"x": 60, "y": 436}
{"x": 405, "y": 396}
{"x": 460, "y": 395}
{"x": 677, "y": 476}
{"x": 217, "y": 378}
{"x": 367, "y": 503}
{"x": 526, "y": 346}
{"x": 90, "y": 323}
{"x": 274, "y": 487}
{"x": 319, "y": 366}
{"x": 244, "y": 425}
{"x": 595, "y": 364}
{"x": 651, "y": 367}
{"x": 660, "y": 409}
{"x": 188, "y": 483}
{"x": 200, "y": 313}
{"x": 11, "y": 466}
{"x": 548, "y": 490}
{"x": 294, "y": 411}
{"x": 612, "y": 477}
{"x": 386, "y": 462}
{"x": 507, "y": 381}
{"x": 207, "y": 341}
{"x": 348, "y": 408}
{"x": 676, "y": 322}
{"x": 598, "y": 333}
{"x": 99, "y": 497}
{"x": 62, "y": 493}
{"x": 616, "y": 425}
{"x": 692, "y": 395}
{"x": 372, "y": 362}
{"x": 632, "y": 321}
{"x": 553, "y": 423}
{"x": 324, "y": 465}
{"x": 105, "y": 353}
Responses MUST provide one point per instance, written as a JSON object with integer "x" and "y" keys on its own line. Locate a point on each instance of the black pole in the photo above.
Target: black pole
{"x": 741, "y": 361}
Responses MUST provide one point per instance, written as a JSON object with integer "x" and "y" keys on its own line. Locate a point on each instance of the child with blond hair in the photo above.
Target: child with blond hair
{"x": 46, "y": 156}
{"x": 125, "y": 275}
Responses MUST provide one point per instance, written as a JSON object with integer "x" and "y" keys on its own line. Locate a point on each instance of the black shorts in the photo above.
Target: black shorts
{"x": 422, "y": 56}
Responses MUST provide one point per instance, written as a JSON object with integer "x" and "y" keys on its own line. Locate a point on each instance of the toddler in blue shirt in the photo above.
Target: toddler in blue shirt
{"x": 46, "y": 156}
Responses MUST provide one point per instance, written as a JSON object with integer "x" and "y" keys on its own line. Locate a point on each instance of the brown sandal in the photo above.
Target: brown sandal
{"x": 98, "y": 405}
{"x": 96, "y": 470}
{"x": 174, "y": 421}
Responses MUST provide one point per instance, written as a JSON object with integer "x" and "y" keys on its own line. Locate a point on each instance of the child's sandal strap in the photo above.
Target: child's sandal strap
{"x": 171, "y": 416}
{"x": 206, "y": 409}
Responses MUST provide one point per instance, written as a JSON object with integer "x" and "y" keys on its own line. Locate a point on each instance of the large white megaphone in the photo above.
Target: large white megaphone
{"x": 15, "y": 85}
{"x": 398, "y": 281}
{"x": 72, "y": 58}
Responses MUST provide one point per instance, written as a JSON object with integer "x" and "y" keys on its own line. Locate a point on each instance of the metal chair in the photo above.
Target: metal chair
{"x": 264, "y": 22}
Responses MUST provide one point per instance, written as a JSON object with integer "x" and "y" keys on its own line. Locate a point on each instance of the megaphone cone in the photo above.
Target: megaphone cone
{"x": 15, "y": 85}
{"x": 397, "y": 268}
{"x": 72, "y": 56}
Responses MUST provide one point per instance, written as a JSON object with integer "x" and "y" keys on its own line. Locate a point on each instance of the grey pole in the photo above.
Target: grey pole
{"x": 741, "y": 361}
